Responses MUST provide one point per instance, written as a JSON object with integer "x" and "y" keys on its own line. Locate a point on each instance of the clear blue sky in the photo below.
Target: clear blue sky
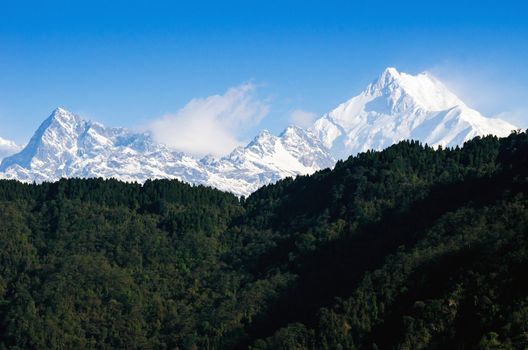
{"x": 125, "y": 63}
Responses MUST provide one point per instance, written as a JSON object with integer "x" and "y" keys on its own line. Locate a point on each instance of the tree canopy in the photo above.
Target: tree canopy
{"x": 407, "y": 248}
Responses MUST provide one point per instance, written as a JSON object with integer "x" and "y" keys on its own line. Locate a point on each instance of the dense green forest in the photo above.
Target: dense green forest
{"x": 408, "y": 248}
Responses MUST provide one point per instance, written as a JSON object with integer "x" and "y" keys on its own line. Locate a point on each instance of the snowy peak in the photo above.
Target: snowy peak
{"x": 306, "y": 147}
{"x": 64, "y": 117}
{"x": 263, "y": 142}
{"x": 61, "y": 128}
{"x": 66, "y": 145}
{"x": 302, "y": 145}
{"x": 267, "y": 159}
{"x": 394, "y": 107}
{"x": 293, "y": 131}
{"x": 390, "y": 76}
{"x": 399, "y": 106}
{"x": 55, "y": 139}
{"x": 293, "y": 140}
{"x": 407, "y": 91}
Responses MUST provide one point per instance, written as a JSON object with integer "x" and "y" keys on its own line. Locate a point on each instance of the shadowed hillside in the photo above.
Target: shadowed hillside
{"x": 407, "y": 248}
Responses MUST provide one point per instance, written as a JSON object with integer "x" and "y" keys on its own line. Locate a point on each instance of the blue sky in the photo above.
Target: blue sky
{"x": 129, "y": 63}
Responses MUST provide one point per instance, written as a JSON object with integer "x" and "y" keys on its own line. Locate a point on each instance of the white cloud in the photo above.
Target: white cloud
{"x": 518, "y": 117}
{"x": 302, "y": 118}
{"x": 8, "y": 148}
{"x": 211, "y": 125}
{"x": 491, "y": 90}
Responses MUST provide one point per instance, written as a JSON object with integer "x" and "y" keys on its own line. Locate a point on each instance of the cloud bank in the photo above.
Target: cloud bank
{"x": 486, "y": 88}
{"x": 211, "y": 125}
{"x": 8, "y": 148}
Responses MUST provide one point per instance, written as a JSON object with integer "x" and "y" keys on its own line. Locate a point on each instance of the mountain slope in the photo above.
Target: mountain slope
{"x": 269, "y": 158}
{"x": 432, "y": 228}
{"x": 407, "y": 248}
{"x": 399, "y": 106}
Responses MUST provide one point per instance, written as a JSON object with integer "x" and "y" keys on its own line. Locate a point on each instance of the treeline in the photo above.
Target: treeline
{"x": 408, "y": 248}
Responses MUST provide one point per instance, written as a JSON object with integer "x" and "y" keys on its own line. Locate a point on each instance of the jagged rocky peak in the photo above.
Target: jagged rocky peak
{"x": 66, "y": 145}
{"x": 398, "y": 106}
{"x": 389, "y": 76}
{"x": 265, "y": 142}
{"x": 294, "y": 131}
{"x": 305, "y": 146}
{"x": 63, "y": 116}
{"x": 50, "y": 141}
{"x": 61, "y": 126}
{"x": 264, "y": 136}
{"x": 419, "y": 91}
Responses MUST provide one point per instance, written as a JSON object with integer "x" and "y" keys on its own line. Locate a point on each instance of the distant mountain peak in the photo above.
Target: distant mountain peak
{"x": 394, "y": 107}
{"x": 62, "y": 115}
{"x": 406, "y": 91}
{"x": 263, "y": 139}
{"x": 293, "y": 130}
{"x": 390, "y": 74}
{"x": 60, "y": 111}
{"x": 263, "y": 134}
{"x": 398, "y": 106}
{"x": 66, "y": 145}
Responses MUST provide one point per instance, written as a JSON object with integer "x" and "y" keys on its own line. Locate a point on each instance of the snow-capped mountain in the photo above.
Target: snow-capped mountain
{"x": 399, "y": 106}
{"x": 395, "y": 107}
{"x": 65, "y": 145}
{"x": 269, "y": 158}
{"x": 8, "y": 148}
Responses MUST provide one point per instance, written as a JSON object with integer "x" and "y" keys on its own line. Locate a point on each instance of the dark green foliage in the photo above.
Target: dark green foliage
{"x": 409, "y": 248}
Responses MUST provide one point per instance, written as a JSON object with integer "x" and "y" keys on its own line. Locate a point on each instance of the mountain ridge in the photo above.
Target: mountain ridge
{"x": 66, "y": 145}
{"x": 394, "y": 107}
{"x": 398, "y": 106}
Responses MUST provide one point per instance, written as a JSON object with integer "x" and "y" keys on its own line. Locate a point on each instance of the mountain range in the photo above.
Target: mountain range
{"x": 396, "y": 106}
{"x": 66, "y": 145}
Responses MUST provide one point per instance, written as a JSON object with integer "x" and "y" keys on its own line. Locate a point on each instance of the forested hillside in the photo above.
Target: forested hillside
{"x": 408, "y": 248}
